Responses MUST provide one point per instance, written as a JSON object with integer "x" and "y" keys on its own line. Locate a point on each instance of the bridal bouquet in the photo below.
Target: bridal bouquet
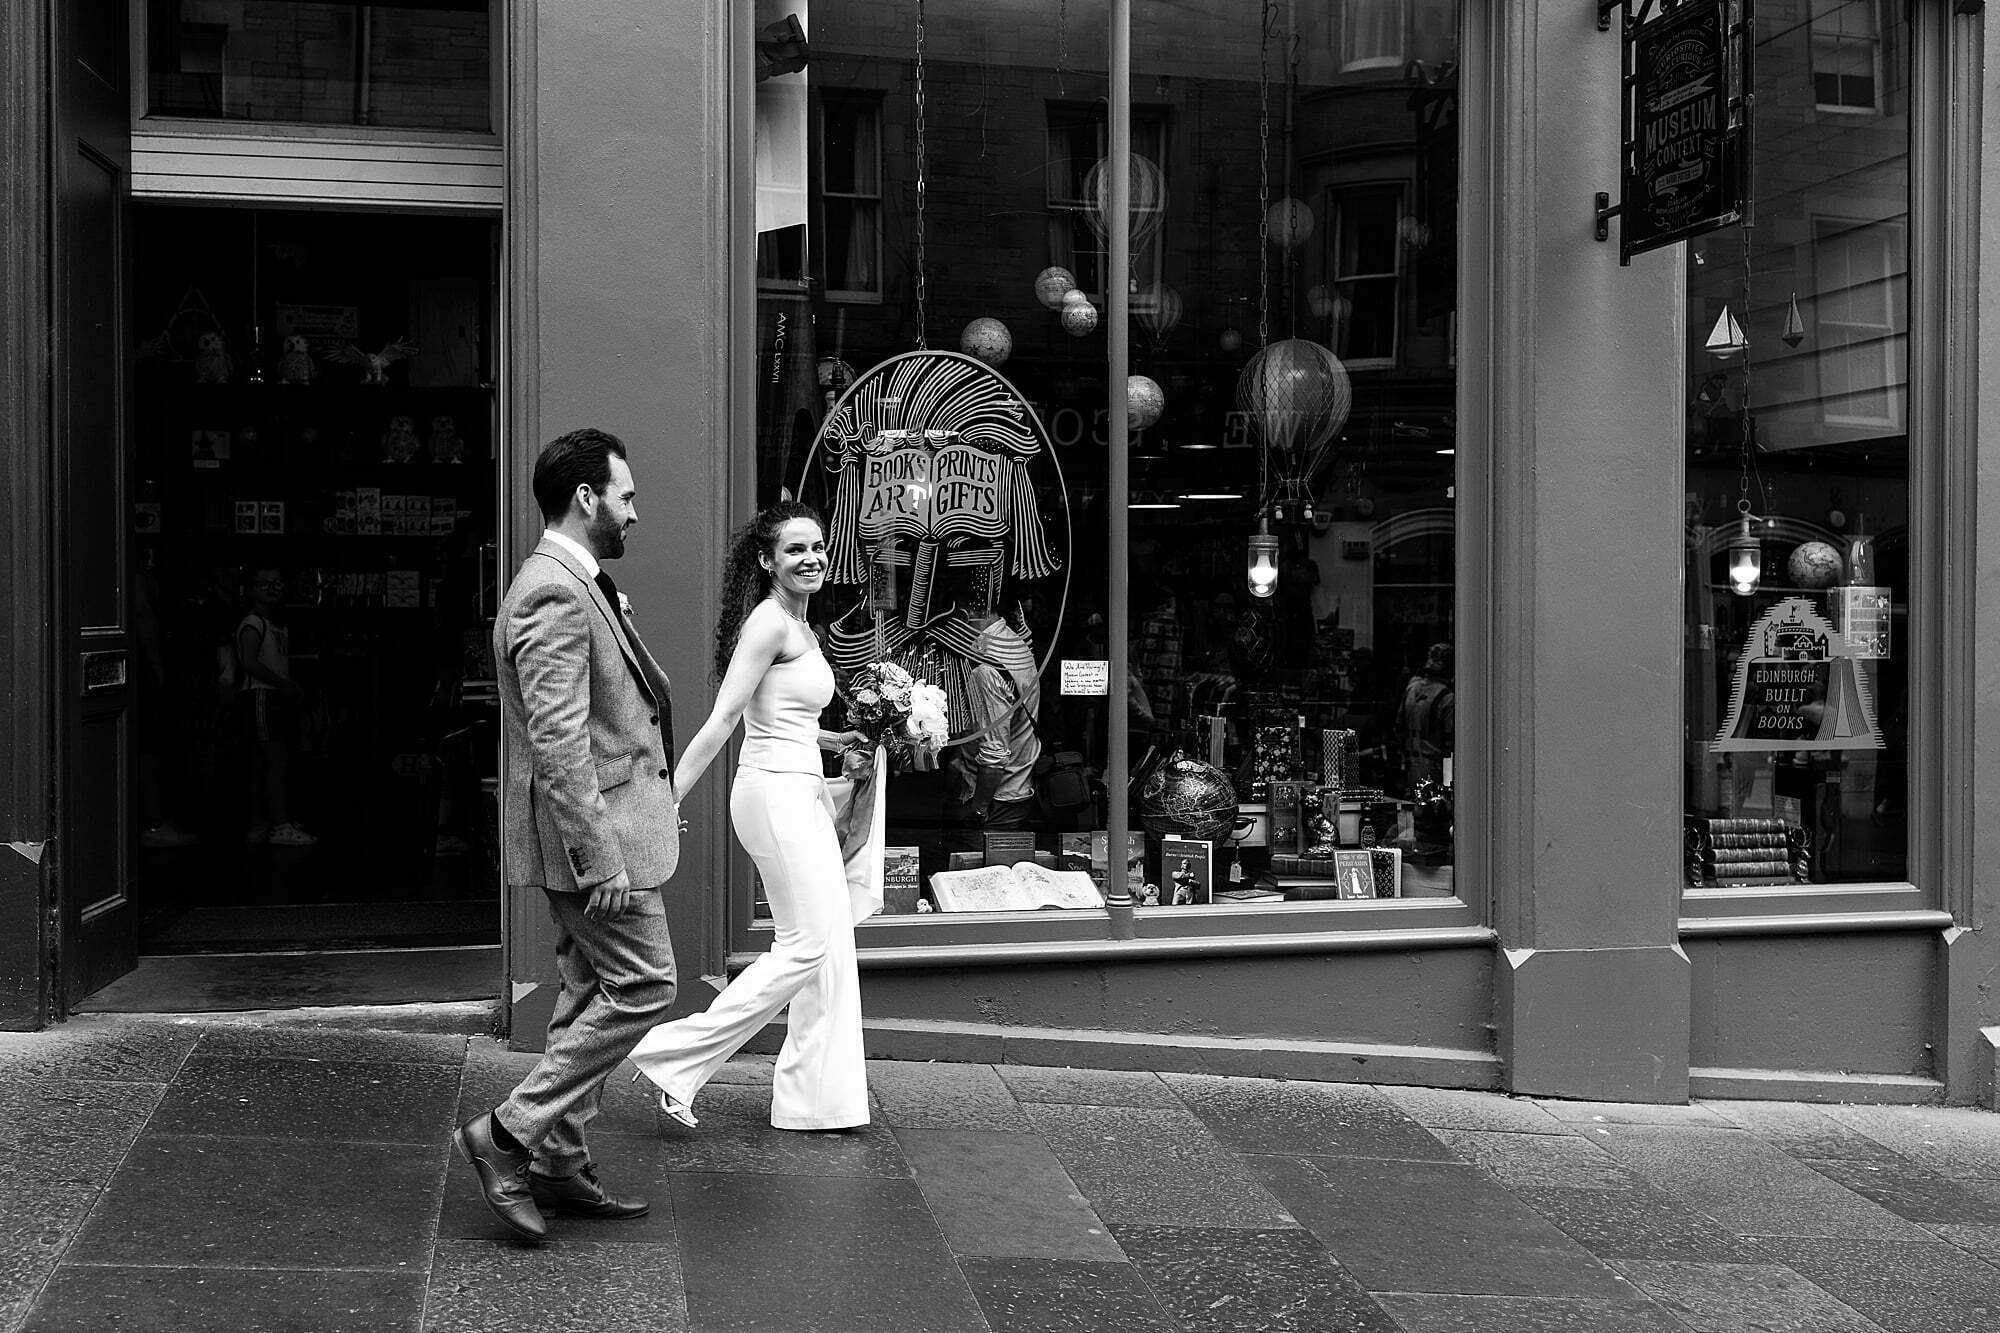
{"x": 898, "y": 713}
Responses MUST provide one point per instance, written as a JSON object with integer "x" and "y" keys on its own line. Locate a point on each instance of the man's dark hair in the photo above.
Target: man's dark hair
{"x": 580, "y": 458}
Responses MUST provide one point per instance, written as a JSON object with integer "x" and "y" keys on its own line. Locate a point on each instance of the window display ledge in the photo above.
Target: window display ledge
{"x": 1208, "y": 946}
{"x": 1813, "y": 923}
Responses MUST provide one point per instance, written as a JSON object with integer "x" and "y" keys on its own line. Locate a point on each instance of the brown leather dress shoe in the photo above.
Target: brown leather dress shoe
{"x": 583, "y": 1195}
{"x": 503, "y": 1178}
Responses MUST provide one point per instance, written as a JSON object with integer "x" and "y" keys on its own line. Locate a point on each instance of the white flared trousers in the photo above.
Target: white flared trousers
{"x": 821, "y": 1080}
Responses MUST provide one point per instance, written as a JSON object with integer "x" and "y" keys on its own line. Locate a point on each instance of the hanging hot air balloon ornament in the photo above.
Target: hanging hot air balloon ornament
{"x": 1298, "y": 394}
{"x": 1158, "y": 312}
{"x": 1146, "y": 209}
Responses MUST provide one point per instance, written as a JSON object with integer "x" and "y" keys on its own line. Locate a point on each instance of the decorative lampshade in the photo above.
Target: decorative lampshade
{"x": 1289, "y": 223}
{"x": 1298, "y": 394}
{"x": 1261, "y": 575}
{"x": 1147, "y": 207}
{"x": 1746, "y": 558}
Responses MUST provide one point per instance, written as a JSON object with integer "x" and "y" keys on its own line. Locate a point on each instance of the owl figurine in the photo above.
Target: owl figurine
{"x": 374, "y": 365}
{"x": 445, "y": 444}
{"x": 295, "y": 364}
{"x": 211, "y": 360}
{"x": 400, "y": 442}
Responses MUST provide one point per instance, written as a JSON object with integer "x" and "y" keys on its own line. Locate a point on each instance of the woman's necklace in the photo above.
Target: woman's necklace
{"x": 783, "y": 606}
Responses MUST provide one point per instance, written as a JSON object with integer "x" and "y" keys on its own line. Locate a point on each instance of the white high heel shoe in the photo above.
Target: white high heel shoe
{"x": 676, "y": 1110}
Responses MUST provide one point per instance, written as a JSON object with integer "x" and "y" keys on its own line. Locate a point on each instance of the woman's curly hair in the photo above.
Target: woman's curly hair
{"x": 745, "y": 581}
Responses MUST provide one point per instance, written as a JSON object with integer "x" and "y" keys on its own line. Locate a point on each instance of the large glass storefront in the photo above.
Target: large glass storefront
{"x": 315, "y": 455}
{"x": 935, "y": 352}
{"x": 1798, "y": 473}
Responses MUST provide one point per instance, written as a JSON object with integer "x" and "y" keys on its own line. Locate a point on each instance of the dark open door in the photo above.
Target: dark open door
{"x": 91, "y": 159}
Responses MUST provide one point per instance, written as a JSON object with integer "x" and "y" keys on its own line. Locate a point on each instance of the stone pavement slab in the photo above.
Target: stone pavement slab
{"x": 1063, "y": 1296}
{"x": 1135, "y": 1164}
{"x": 1256, "y": 1115}
{"x": 1004, "y": 1195}
{"x": 297, "y": 1178}
{"x": 86, "y": 1299}
{"x": 1744, "y": 1298}
{"x": 1933, "y": 1288}
{"x": 816, "y": 1254}
{"x": 1276, "y": 1281}
{"x": 1749, "y": 1186}
{"x": 1434, "y": 1227}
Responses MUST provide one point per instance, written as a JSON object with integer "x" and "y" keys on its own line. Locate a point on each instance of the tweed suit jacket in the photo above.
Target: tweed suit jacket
{"x": 587, "y": 727}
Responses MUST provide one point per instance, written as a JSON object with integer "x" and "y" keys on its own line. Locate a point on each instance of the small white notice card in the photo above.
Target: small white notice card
{"x": 1086, "y": 676}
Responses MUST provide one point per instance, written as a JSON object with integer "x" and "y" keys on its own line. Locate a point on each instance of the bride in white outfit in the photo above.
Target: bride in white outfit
{"x": 776, "y": 680}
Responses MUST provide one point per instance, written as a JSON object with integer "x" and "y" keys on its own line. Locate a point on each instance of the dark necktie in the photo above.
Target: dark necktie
{"x": 610, "y": 591}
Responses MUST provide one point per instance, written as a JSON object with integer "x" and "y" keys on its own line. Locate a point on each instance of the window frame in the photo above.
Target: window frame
{"x": 1874, "y": 40}
{"x": 1393, "y": 14}
{"x": 1072, "y": 211}
{"x": 1337, "y": 193}
{"x": 869, "y": 102}
{"x": 1884, "y": 333}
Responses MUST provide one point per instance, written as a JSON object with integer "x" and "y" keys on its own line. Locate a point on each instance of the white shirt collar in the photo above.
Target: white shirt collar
{"x": 583, "y": 557}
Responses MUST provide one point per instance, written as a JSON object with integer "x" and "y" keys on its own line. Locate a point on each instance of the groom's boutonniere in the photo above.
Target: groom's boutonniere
{"x": 625, "y": 604}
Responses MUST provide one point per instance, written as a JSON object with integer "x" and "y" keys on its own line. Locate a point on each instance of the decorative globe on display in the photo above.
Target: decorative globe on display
{"x": 1052, "y": 284}
{"x": 1186, "y": 798}
{"x": 987, "y": 339}
{"x": 1079, "y": 317}
{"x": 1814, "y": 565}
{"x": 1075, "y": 296}
{"x": 1144, "y": 401}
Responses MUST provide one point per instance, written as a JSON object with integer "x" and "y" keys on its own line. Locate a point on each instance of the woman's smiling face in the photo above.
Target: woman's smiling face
{"x": 798, "y": 560}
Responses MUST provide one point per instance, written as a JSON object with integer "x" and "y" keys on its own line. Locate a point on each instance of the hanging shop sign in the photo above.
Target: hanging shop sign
{"x": 1797, "y": 687}
{"x": 1685, "y": 153}
{"x": 947, "y": 524}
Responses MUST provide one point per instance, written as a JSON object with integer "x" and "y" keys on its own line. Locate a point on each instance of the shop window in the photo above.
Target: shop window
{"x": 850, "y": 164}
{"x": 1291, "y": 721}
{"x": 1846, "y": 55}
{"x": 1078, "y": 140}
{"x": 418, "y": 65}
{"x": 1798, "y": 618}
{"x": 1367, "y": 241}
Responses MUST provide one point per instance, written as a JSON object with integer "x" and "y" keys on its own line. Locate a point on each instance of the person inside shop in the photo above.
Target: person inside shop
{"x": 1426, "y": 723}
{"x": 990, "y": 781}
{"x": 267, "y": 702}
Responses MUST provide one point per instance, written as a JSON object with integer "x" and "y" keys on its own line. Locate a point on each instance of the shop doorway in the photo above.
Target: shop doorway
{"x": 314, "y": 485}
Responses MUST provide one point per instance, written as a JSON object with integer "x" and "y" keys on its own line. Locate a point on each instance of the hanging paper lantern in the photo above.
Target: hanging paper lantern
{"x": 1289, "y": 223}
{"x": 1051, "y": 283}
{"x": 1413, "y": 231}
{"x": 1158, "y": 311}
{"x": 1147, "y": 208}
{"x": 1319, "y": 301}
{"x": 1230, "y": 340}
{"x": 1144, "y": 401}
{"x": 1298, "y": 394}
{"x": 1079, "y": 317}
{"x": 987, "y": 339}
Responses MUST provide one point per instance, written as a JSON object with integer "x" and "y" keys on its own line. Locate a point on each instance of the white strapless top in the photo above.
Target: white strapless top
{"x": 781, "y": 725}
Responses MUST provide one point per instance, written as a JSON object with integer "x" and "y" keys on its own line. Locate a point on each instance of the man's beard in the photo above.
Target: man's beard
{"x": 607, "y": 537}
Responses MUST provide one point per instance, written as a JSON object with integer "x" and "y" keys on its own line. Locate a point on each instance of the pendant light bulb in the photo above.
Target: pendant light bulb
{"x": 1262, "y": 574}
{"x": 1746, "y": 559}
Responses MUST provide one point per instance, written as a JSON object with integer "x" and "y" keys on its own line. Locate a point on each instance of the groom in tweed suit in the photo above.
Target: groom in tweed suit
{"x": 592, "y": 820}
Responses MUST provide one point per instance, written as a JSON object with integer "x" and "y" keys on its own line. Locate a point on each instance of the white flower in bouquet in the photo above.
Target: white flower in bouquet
{"x": 928, "y": 726}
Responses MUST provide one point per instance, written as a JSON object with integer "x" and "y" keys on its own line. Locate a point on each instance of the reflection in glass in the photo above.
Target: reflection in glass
{"x": 420, "y": 64}
{"x": 1798, "y": 474}
{"x": 1294, "y": 193}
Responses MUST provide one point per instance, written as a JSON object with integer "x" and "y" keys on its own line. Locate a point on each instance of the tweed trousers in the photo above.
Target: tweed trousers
{"x": 617, "y": 982}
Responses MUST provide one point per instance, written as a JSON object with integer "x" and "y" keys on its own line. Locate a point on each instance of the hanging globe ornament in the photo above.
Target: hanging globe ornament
{"x": 987, "y": 339}
{"x": 1076, "y": 296}
{"x": 1147, "y": 207}
{"x": 1814, "y": 564}
{"x": 1299, "y": 395}
{"x": 1289, "y": 223}
{"x": 1144, "y": 401}
{"x": 1079, "y": 318}
{"x": 1052, "y": 283}
{"x": 1158, "y": 310}
{"x": 1230, "y": 339}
